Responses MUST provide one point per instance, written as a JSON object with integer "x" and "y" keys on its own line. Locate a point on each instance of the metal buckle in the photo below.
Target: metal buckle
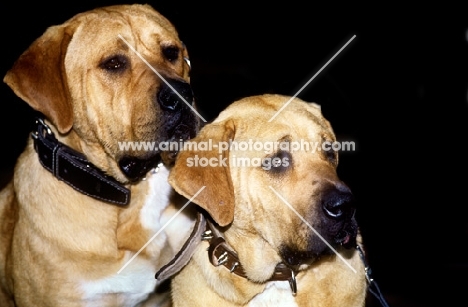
{"x": 207, "y": 235}
{"x": 41, "y": 126}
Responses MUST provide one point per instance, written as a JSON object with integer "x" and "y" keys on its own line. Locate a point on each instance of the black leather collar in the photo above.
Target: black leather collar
{"x": 72, "y": 167}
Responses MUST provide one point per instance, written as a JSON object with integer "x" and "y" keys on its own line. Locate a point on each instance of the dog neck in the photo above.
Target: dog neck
{"x": 74, "y": 169}
{"x": 220, "y": 253}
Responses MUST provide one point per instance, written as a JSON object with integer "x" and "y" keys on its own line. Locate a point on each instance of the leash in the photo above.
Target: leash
{"x": 374, "y": 288}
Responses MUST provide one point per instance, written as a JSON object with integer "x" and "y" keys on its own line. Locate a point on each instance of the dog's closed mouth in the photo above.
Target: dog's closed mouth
{"x": 346, "y": 239}
{"x": 136, "y": 168}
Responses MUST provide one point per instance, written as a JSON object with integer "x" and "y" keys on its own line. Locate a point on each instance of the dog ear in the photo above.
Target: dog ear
{"x": 195, "y": 168}
{"x": 38, "y": 77}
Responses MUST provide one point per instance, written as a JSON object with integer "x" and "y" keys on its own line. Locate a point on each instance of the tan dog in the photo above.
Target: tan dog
{"x": 279, "y": 211}
{"x": 80, "y": 207}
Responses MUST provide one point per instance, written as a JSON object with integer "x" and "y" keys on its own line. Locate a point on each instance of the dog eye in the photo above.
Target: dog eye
{"x": 171, "y": 53}
{"x": 331, "y": 155}
{"x": 277, "y": 163}
{"x": 115, "y": 63}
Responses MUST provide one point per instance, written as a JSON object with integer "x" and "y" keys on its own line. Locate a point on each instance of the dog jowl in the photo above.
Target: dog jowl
{"x": 177, "y": 121}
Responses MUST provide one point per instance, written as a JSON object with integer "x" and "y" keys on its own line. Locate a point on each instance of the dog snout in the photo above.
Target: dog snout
{"x": 339, "y": 223}
{"x": 175, "y": 95}
{"x": 338, "y": 202}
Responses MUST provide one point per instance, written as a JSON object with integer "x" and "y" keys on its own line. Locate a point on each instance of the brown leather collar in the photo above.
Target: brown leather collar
{"x": 220, "y": 253}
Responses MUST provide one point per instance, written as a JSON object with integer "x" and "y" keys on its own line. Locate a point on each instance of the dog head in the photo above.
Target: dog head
{"x": 110, "y": 76}
{"x": 278, "y": 201}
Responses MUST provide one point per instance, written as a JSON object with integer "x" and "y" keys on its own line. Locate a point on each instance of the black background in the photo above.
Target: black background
{"x": 399, "y": 90}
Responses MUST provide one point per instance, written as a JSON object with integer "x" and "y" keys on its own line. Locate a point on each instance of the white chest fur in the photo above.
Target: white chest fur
{"x": 136, "y": 281}
{"x": 129, "y": 287}
{"x": 276, "y": 293}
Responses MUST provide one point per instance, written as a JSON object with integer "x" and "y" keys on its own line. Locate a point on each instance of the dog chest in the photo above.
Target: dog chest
{"x": 276, "y": 293}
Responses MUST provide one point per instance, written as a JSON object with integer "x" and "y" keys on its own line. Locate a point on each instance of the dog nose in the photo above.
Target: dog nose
{"x": 171, "y": 97}
{"x": 338, "y": 202}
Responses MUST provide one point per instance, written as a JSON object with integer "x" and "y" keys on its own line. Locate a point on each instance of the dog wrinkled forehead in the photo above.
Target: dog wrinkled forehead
{"x": 138, "y": 23}
{"x": 274, "y": 109}
{"x": 127, "y": 13}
